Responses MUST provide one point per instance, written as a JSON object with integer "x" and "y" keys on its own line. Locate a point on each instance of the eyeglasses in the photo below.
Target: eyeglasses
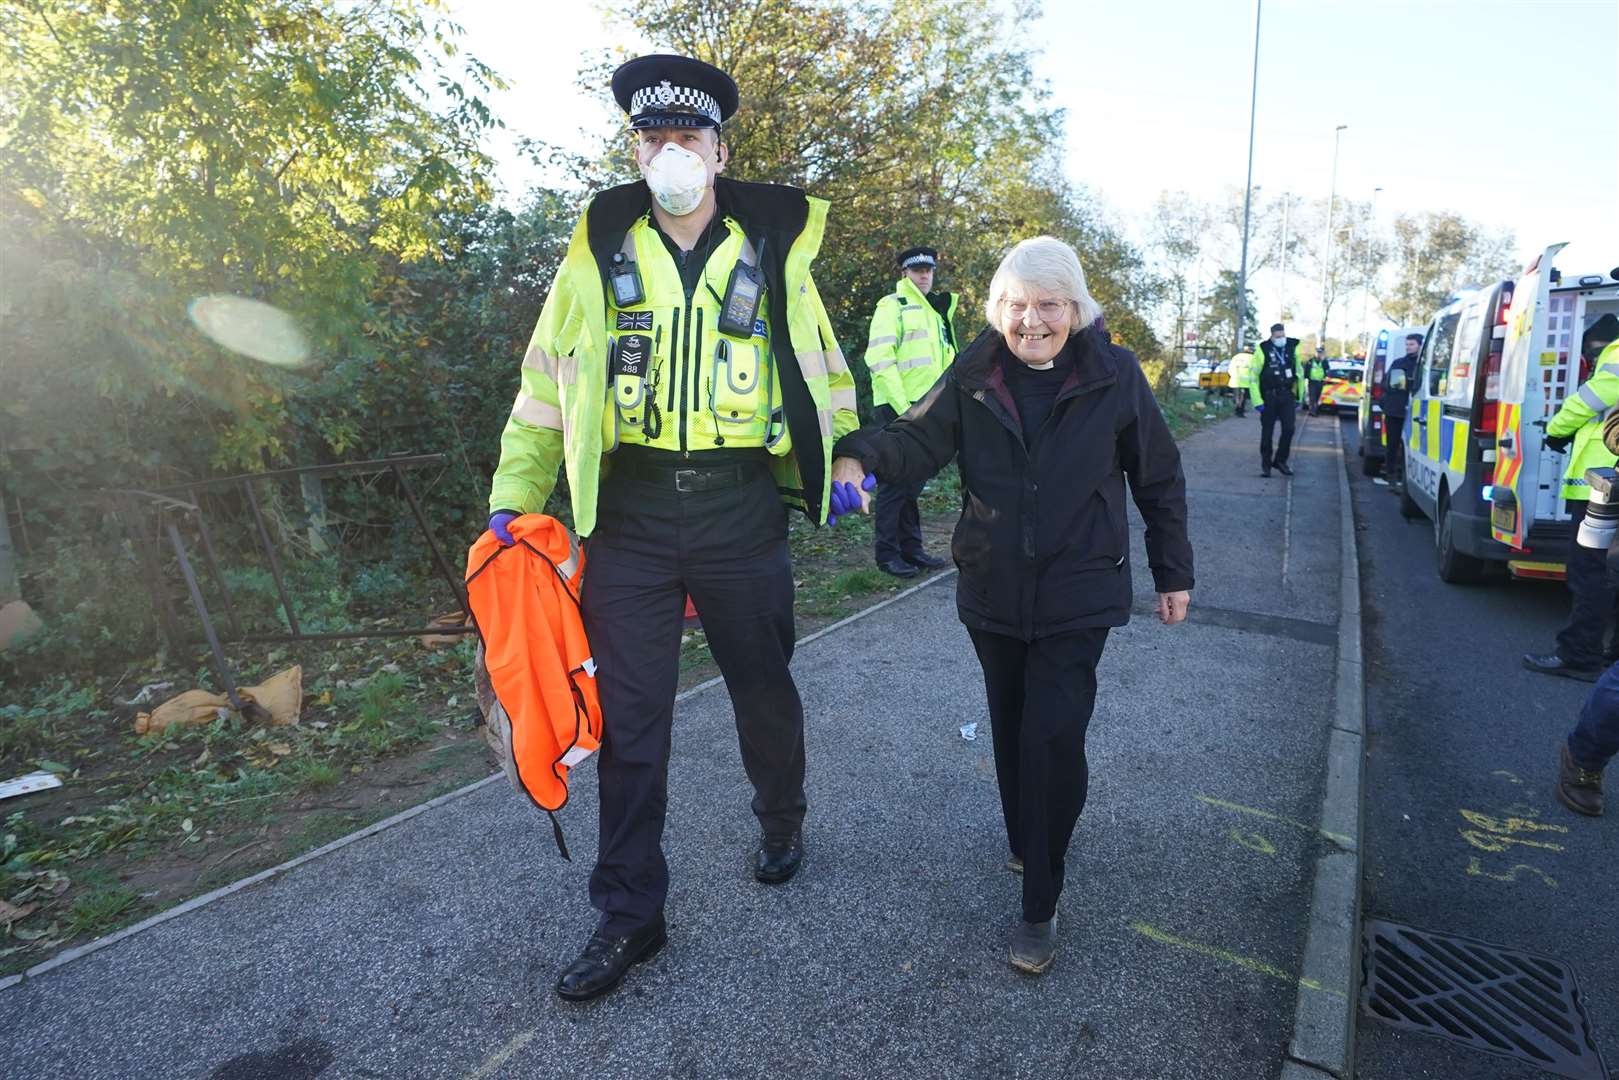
{"x": 1048, "y": 310}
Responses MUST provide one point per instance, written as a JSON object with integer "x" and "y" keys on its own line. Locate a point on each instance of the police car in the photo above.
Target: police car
{"x": 1341, "y": 391}
{"x": 1495, "y": 366}
{"x": 1388, "y": 345}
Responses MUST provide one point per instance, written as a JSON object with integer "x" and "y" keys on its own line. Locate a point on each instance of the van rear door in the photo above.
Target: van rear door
{"x": 1535, "y": 379}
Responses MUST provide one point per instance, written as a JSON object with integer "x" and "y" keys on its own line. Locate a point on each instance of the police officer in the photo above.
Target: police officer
{"x": 912, "y": 341}
{"x": 1237, "y": 379}
{"x": 1397, "y": 380}
{"x": 1317, "y": 378}
{"x": 684, "y": 373}
{"x": 1274, "y": 375}
{"x": 1581, "y": 646}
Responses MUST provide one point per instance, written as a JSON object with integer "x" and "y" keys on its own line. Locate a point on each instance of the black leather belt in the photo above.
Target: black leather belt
{"x": 688, "y": 478}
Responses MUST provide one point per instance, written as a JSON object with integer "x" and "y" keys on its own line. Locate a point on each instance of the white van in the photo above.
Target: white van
{"x": 1496, "y": 363}
{"x": 1388, "y": 345}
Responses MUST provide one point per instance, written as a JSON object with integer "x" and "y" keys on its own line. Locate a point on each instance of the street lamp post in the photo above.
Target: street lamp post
{"x": 1326, "y": 262}
{"x": 1248, "y": 186}
{"x": 1366, "y": 276}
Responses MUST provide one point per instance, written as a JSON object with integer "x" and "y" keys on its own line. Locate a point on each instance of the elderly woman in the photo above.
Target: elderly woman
{"x": 1048, "y": 420}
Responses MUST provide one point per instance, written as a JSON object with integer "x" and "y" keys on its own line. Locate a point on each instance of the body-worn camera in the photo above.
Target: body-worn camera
{"x": 1601, "y": 522}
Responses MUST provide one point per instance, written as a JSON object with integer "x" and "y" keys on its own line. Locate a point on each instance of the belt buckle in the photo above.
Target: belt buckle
{"x": 684, "y": 477}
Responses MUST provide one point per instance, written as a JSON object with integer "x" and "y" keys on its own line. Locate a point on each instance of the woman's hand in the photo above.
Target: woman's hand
{"x": 1172, "y": 607}
{"x": 851, "y": 489}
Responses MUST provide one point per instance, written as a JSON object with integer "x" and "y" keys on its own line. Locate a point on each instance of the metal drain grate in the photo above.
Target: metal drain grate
{"x": 1502, "y": 1001}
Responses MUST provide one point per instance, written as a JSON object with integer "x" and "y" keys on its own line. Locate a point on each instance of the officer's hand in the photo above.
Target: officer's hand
{"x": 850, "y": 489}
{"x": 1558, "y": 443}
{"x": 1172, "y": 607}
{"x": 500, "y": 524}
{"x": 1260, "y": 407}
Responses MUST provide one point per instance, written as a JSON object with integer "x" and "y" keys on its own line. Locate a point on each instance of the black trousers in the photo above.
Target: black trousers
{"x": 1583, "y": 642}
{"x": 1394, "y": 452}
{"x": 652, "y": 546}
{"x": 897, "y": 520}
{"x": 1315, "y": 394}
{"x": 1279, "y": 407}
{"x": 1239, "y": 398}
{"x": 1041, "y": 694}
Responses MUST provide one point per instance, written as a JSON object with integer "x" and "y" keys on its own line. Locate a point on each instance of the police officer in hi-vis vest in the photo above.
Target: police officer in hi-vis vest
{"x": 912, "y": 341}
{"x": 685, "y": 375}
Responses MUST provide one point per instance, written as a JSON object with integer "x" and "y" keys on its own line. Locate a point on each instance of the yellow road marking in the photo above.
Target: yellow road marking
{"x": 1165, "y": 938}
{"x": 1337, "y": 838}
{"x": 503, "y": 1055}
{"x": 1253, "y": 842}
{"x": 1474, "y": 869}
{"x": 1490, "y": 841}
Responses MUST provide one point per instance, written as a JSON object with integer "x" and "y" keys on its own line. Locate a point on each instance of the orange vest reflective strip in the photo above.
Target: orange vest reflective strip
{"x": 525, "y": 605}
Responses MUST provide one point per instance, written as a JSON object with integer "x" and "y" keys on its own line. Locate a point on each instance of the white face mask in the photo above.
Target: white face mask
{"x": 1278, "y": 338}
{"x": 677, "y": 178}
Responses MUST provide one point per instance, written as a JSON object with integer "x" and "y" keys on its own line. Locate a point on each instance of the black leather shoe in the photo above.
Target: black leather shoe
{"x": 1552, "y": 664}
{"x": 1281, "y": 467}
{"x": 778, "y": 859}
{"x": 899, "y": 568}
{"x": 1578, "y": 788}
{"x": 1265, "y": 471}
{"x": 926, "y": 561}
{"x": 606, "y": 960}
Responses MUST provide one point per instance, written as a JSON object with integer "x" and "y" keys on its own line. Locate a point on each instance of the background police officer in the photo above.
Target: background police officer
{"x": 1397, "y": 380}
{"x": 1237, "y": 380}
{"x": 912, "y": 341}
{"x": 1275, "y": 380}
{"x": 684, "y": 373}
{"x": 1582, "y": 651}
{"x": 1317, "y": 378}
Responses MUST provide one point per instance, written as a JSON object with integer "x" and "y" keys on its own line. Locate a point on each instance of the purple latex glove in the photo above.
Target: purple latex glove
{"x": 846, "y": 499}
{"x": 1259, "y": 408}
{"x": 500, "y": 524}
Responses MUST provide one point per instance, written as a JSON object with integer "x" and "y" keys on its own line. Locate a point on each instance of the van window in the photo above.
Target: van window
{"x": 1437, "y": 352}
{"x": 1459, "y": 389}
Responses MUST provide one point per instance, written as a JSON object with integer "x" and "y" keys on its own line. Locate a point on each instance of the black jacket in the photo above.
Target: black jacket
{"x": 1277, "y": 380}
{"x": 1395, "y": 401}
{"x": 1043, "y": 543}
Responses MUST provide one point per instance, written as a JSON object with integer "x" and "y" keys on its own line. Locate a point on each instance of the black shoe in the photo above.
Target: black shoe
{"x": 1578, "y": 788}
{"x": 927, "y": 562}
{"x": 1264, "y": 470}
{"x": 778, "y": 859}
{"x": 1034, "y": 946}
{"x": 1281, "y": 467}
{"x": 606, "y": 960}
{"x": 899, "y": 568}
{"x": 1552, "y": 664}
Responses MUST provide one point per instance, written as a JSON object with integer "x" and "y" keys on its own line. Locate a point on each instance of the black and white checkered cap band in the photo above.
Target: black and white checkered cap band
{"x": 918, "y": 260}
{"x": 666, "y": 98}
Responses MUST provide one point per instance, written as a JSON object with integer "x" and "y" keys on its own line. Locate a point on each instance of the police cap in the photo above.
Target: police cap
{"x": 674, "y": 91}
{"x": 912, "y": 258}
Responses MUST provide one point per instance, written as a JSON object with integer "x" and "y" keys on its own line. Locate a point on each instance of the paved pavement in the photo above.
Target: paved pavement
{"x": 1454, "y": 727}
{"x": 429, "y": 948}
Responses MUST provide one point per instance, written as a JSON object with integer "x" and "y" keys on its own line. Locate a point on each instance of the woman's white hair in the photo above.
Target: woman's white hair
{"x": 1043, "y": 264}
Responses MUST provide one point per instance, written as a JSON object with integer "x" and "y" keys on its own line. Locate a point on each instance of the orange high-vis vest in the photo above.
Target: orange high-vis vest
{"x": 525, "y": 605}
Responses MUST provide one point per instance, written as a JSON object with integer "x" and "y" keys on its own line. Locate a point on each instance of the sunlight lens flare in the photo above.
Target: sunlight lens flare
{"x": 252, "y": 328}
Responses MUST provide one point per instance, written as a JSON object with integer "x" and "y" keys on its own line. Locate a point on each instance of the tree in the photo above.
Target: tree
{"x": 1177, "y": 230}
{"x": 1218, "y": 324}
{"x": 151, "y": 153}
{"x": 921, "y": 123}
{"x": 1436, "y": 253}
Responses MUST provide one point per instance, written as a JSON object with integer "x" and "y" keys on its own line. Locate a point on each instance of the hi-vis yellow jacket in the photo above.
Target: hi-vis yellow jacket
{"x": 912, "y": 341}
{"x": 567, "y": 411}
{"x": 1581, "y": 416}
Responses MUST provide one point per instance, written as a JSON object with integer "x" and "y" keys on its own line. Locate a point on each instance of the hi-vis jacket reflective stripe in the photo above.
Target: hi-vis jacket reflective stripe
{"x": 1581, "y": 416}
{"x": 525, "y": 605}
{"x": 564, "y": 408}
{"x": 912, "y": 341}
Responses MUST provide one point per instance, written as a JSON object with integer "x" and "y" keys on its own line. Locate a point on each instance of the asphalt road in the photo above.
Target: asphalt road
{"x": 1455, "y": 727}
{"x": 429, "y": 949}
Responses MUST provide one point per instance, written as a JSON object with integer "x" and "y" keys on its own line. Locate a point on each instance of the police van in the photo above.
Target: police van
{"x": 1388, "y": 345}
{"x": 1495, "y": 366}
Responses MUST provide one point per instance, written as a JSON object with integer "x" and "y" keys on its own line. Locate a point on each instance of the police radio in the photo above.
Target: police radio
{"x": 741, "y": 304}
{"x": 625, "y": 280}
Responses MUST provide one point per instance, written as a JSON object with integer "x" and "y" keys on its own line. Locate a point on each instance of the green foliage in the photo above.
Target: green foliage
{"x": 1436, "y": 253}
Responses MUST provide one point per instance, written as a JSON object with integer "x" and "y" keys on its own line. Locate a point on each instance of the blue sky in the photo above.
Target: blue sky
{"x": 1506, "y": 111}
